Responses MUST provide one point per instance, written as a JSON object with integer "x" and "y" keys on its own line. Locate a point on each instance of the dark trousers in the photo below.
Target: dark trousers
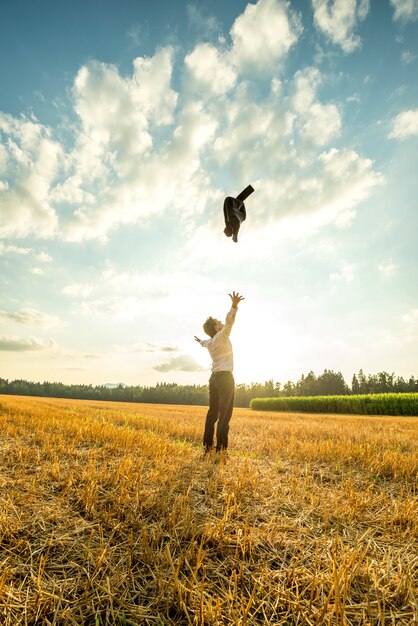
{"x": 221, "y": 404}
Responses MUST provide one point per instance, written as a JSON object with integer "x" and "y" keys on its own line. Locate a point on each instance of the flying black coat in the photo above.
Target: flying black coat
{"x": 235, "y": 212}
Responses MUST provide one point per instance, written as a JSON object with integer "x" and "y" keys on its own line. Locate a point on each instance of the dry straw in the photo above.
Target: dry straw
{"x": 108, "y": 515}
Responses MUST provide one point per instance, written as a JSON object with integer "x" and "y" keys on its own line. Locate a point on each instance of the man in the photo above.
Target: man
{"x": 221, "y": 382}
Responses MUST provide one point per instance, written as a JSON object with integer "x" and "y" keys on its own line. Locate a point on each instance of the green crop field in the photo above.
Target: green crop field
{"x": 366, "y": 404}
{"x": 109, "y": 516}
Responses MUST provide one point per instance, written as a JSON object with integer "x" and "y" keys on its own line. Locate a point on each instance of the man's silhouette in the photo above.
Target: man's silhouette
{"x": 221, "y": 382}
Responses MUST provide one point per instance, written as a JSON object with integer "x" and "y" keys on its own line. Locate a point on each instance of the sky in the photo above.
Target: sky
{"x": 124, "y": 125}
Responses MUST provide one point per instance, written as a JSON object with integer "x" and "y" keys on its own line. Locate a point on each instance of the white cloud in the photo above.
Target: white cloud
{"x": 316, "y": 122}
{"x": 43, "y": 257}
{"x": 345, "y": 274}
{"x": 78, "y": 290}
{"x": 263, "y": 35}
{"x": 30, "y": 317}
{"x": 411, "y": 317}
{"x": 302, "y": 186}
{"x": 405, "y": 9}
{"x": 410, "y": 326}
{"x": 4, "y": 158}
{"x": 291, "y": 125}
{"x": 387, "y": 269}
{"x": 182, "y": 363}
{"x": 136, "y": 34}
{"x": 33, "y": 161}
{"x": 127, "y": 296}
{"x": 332, "y": 188}
{"x": 152, "y": 93}
{"x": 116, "y": 113}
{"x": 292, "y": 202}
{"x": 354, "y": 98}
{"x": 18, "y": 344}
{"x": 12, "y": 249}
{"x": 37, "y": 271}
{"x": 117, "y": 174}
{"x": 405, "y": 125}
{"x": 210, "y": 69}
{"x": 153, "y": 347}
{"x": 408, "y": 57}
{"x": 142, "y": 151}
{"x": 165, "y": 175}
{"x": 323, "y": 124}
{"x": 203, "y": 24}
{"x": 337, "y": 19}
{"x": 346, "y": 180}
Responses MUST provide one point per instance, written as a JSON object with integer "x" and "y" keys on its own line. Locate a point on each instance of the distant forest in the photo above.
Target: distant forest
{"x": 328, "y": 383}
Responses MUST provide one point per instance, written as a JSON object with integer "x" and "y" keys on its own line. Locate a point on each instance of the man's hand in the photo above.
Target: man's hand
{"x": 236, "y": 299}
{"x": 197, "y": 339}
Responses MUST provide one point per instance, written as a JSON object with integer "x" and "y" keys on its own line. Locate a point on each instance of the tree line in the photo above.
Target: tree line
{"x": 329, "y": 383}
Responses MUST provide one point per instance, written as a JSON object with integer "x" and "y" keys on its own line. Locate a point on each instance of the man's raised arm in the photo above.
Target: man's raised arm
{"x": 230, "y": 318}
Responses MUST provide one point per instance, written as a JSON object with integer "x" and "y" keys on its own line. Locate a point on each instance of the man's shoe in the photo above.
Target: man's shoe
{"x": 221, "y": 455}
{"x": 208, "y": 454}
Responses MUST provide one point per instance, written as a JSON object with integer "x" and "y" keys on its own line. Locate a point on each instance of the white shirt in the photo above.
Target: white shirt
{"x": 220, "y": 347}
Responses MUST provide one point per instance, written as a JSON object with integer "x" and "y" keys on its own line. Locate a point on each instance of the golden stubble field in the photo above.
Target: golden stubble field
{"x": 108, "y": 515}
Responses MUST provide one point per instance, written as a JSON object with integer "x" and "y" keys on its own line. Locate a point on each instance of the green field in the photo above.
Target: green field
{"x": 109, "y": 516}
{"x": 366, "y": 404}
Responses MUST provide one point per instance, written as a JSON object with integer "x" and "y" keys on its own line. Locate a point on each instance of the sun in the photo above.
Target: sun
{"x": 263, "y": 350}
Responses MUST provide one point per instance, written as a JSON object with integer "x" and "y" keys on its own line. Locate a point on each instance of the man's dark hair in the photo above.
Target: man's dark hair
{"x": 209, "y": 327}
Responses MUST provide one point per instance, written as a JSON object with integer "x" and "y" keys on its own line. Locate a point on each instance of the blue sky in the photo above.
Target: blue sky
{"x": 122, "y": 128}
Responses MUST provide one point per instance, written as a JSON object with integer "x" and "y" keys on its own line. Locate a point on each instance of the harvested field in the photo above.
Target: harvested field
{"x": 108, "y": 516}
